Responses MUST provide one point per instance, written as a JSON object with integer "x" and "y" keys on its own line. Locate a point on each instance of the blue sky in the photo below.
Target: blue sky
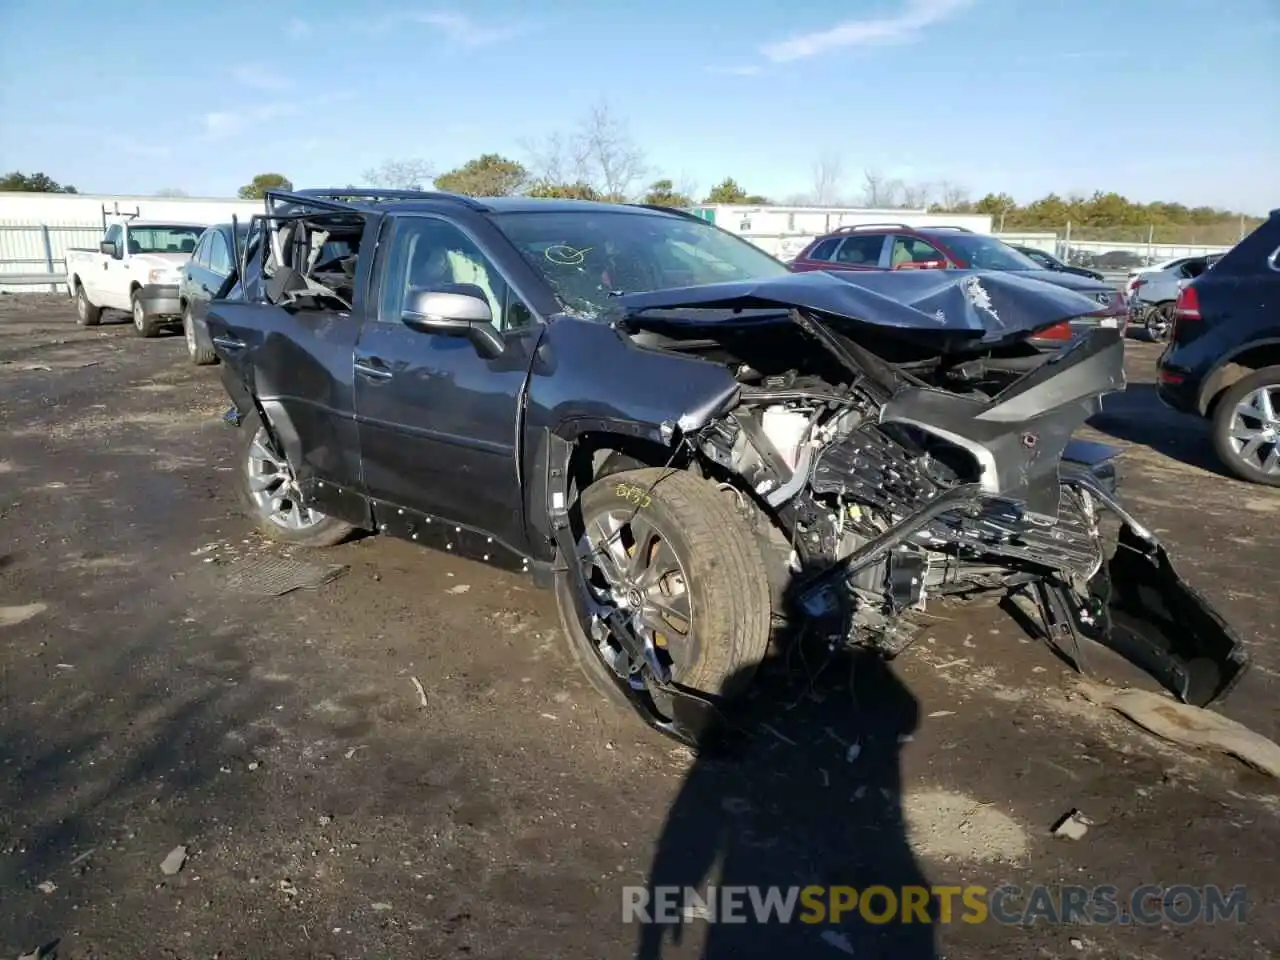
{"x": 1156, "y": 99}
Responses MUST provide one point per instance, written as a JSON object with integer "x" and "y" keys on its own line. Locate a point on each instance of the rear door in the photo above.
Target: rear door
{"x": 195, "y": 276}
{"x": 297, "y": 363}
{"x": 817, "y": 257}
{"x": 211, "y": 275}
{"x": 861, "y": 251}
{"x": 438, "y": 423}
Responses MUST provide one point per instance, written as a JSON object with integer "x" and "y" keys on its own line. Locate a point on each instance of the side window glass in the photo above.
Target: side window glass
{"x": 825, "y": 249}
{"x": 201, "y": 256}
{"x": 863, "y": 250}
{"x": 219, "y": 255}
{"x": 914, "y": 250}
{"x": 426, "y": 253}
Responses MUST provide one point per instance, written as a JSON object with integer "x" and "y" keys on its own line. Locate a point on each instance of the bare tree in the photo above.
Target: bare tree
{"x": 556, "y": 158}
{"x": 915, "y": 196}
{"x": 828, "y": 179}
{"x": 599, "y": 151}
{"x": 401, "y": 175}
{"x": 879, "y": 191}
{"x": 952, "y": 196}
{"x": 612, "y": 156}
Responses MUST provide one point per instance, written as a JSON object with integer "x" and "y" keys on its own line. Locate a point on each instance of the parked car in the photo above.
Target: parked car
{"x": 1222, "y": 361}
{"x": 1048, "y": 261}
{"x": 1154, "y": 291}
{"x": 135, "y": 268}
{"x": 897, "y": 246}
{"x": 203, "y": 277}
{"x": 683, "y": 438}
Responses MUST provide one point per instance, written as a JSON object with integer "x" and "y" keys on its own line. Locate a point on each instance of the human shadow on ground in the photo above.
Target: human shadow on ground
{"x": 798, "y": 786}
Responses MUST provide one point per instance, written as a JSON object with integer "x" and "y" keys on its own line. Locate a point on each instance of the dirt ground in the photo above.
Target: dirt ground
{"x": 150, "y": 701}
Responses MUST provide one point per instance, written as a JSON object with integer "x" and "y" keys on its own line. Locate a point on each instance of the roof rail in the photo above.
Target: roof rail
{"x": 377, "y": 193}
{"x": 947, "y": 226}
{"x": 851, "y": 227}
{"x": 678, "y": 211}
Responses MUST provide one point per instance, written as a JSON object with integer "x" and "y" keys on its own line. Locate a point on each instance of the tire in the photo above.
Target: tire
{"x": 1158, "y": 322}
{"x": 323, "y": 532}
{"x": 200, "y": 355}
{"x": 143, "y": 325}
{"x": 723, "y": 571}
{"x": 1225, "y": 422}
{"x": 87, "y": 315}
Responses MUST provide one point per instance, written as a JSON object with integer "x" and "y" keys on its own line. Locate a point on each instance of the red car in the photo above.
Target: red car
{"x": 897, "y": 246}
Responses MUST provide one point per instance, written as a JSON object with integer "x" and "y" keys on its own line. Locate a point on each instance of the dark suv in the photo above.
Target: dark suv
{"x": 1223, "y": 357}
{"x": 897, "y": 246}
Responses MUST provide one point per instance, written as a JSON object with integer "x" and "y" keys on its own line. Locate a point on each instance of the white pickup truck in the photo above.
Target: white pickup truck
{"x": 136, "y": 268}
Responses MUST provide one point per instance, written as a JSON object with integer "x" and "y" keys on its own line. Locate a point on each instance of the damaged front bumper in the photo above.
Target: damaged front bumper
{"x": 1143, "y": 610}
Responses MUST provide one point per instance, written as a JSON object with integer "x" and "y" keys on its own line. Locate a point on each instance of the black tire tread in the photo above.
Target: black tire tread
{"x": 93, "y": 315}
{"x": 726, "y": 573}
{"x": 202, "y": 356}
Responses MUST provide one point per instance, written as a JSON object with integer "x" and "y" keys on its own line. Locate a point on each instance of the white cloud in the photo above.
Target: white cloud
{"x": 458, "y": 28}
{"x": 257, "y": 77}
{"x": 222, "y": 124}
{"x": 466, "y": 32}
{"x": 900, "y": 28}
{"x": 137, "y": 148}
{"x": 297, "y": 29}
{"x": 742, "y": 71}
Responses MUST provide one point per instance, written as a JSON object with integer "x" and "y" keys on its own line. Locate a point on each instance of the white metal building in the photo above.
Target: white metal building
{"x": 785, "y": 231}
{"x": 37, "y": 228}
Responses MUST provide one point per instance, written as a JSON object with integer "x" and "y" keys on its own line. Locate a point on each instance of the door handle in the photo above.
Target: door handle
{"x": 205, "y": 288}
{"x": 229, "y": 343}
{"x": 372, "y": 369}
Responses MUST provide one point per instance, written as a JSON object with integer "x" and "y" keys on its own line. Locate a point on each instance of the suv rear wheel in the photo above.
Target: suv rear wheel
{"x": 669, "y": 550}
{"x": 1246, "y": 427}
{"x": 270, "y": 494}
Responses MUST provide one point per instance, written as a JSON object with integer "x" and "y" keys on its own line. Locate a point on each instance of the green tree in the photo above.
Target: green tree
{"x": 19, "y": 182}
{"x": 257, "y": 188}
{"x": 564, "y": 191}
{"x": 663, "y": 193}
{"x": 728, "y": 191}
{"x": 489, "y": 175}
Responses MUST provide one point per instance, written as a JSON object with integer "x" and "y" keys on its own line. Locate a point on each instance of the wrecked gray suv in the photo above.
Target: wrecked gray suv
{"x": 693, "y": 446}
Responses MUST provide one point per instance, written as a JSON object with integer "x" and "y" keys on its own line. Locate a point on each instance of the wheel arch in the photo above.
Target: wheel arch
{"x": 1234, "y": 367}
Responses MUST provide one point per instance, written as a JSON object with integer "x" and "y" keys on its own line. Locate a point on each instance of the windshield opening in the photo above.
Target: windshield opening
{"x": 590, "y": 256}
{"x": 164, "y": 239}
{"x": 988, "y": 253}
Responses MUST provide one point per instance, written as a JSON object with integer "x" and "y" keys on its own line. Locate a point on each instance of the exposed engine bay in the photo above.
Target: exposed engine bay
{"x": 899, "y": 472}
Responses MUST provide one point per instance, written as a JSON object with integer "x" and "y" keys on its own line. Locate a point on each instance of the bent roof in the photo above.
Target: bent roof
{"x": 986, "y": 305}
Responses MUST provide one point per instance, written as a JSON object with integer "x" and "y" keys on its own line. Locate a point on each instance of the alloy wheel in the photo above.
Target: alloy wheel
{"x": 189, "y": 330}
{"x": 1254, "y": 434}
{"x": 82, "y": 304}
{"x": 273, "y": 488}
{"x": 1160, "y": 323}
{"x": 629, "y": 566}
{"x": 139, "y": 316}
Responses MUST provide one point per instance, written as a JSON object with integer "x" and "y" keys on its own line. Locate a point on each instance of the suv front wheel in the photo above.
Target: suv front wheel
{"x": 1246, "y": 427}
{"x": 667, "y": 549}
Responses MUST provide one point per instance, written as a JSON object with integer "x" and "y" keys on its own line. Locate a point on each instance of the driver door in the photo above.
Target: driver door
{"x": 438, "y": 422}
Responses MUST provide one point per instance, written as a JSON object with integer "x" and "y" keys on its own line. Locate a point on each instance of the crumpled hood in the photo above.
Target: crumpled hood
{"x": 977, "y": 305}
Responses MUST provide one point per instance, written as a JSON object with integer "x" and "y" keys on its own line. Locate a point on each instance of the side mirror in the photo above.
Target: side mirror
{"x": 110, "y": 248}
{"x": 454, "y": 310}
